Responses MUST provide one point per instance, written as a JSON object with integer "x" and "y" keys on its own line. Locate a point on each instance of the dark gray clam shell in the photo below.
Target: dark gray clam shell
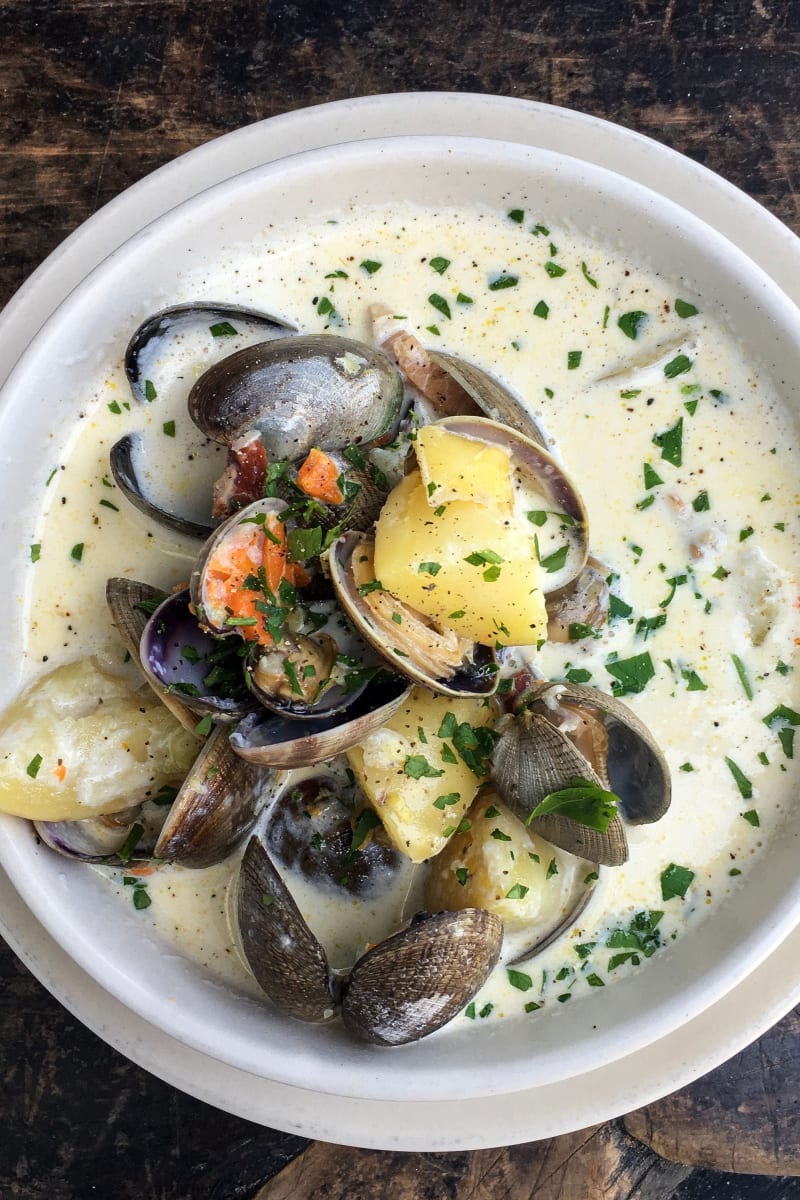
{"x": 299, "y": 392}
{"x": 288, "y": 962}
{"x": 123, "y": 467}
{"x": 533, "y": 759}
{"x": 215, "y": 809}
{"x": 414, "y": 982}
{"x": 273, "y": 741}
{"x": 152, "y": 335}
{"x": 177, "y": 657}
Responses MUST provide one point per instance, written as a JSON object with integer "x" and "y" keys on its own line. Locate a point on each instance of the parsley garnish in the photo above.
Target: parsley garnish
{"x": 583, "y": 802}
{"x": 629, "y": 323}
{"x": 675, "y": 881}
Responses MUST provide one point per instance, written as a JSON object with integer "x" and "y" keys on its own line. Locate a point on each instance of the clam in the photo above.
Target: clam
{"x": 402, "y": 990}
{"x": 215, "y": 808}
{"x": 156, "y": 338}
{"x": 490, "y": 397}
{"x": 161, "y": 360}
{"x": 429, "y": 648}
{"x": 97, "y": 839}
{"x": 314, "y": 827}
{"x": 267, "y": 739}
{"x": 301, "y": 392}
{"x": 440, "y": 659}
{"x": 184, "y": 662}
{"x": 581, "y": 606}
{"x": 244, "y": 583}
{"x": 568, "y": 732}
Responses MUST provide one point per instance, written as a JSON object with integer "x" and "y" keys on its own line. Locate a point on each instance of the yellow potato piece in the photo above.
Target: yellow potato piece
{"x": 421, "y": 558}
{"x": 81, "y": 742}
{"x": 460, "y": 468}
{"x": 497, "y": 864}
{"x": 386, "y": 763}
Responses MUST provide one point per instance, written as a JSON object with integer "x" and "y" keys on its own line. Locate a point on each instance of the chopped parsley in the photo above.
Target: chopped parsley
{"x": 630, "y": 323}
{"x": 675, "y": 881}
{"x": 440, "y": 304}
{"x": 501, "y": 282}
{"x": 582, "y": 801}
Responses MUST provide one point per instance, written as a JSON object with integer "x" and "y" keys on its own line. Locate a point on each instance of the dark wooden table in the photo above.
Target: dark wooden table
{"x": 96, "y": 94}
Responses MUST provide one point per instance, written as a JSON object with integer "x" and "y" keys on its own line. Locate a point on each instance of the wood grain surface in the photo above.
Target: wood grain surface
{"x": 95, "y": 95}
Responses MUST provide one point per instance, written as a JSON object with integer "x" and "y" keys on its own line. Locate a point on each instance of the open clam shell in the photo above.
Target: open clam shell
{"x": 636, "y": 769}
{"x": 414, "y": 982}
{"x": 288, "y": 962}
{"x": 95, "y": 839}
{"x": 546, "y": 482}
{"x": 131, "y": 604}
{"x": 532, "y": 760}
{"x": 158, "y": 336}
{"x": 491, "y": 397}
{"x": 123, "y": 462}
{"x": 477, "y": 674}
{"x": 181, "y": 660}
{"x": 215, "y": 809}
{"x": 310, "y": 390}
{"x": 274, "y": 741}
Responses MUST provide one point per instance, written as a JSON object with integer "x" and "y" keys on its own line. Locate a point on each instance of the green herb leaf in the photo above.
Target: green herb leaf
{"x": 701, "y": 502}
{"x": 367, "y": 820}
{"x": 671, "y": 443}
{"x": 675, "y": 881}
{"x": 589, "y": 278}
{"x": 33, "y": 766}
{"x": 370, "y": 266}
{"x": 677, "y": 366}
{"x": 742, "y": 782}
{"x": 222, "y": 329}
{"x": 502, "y": 282}
{"x": 439, "y": 264}
{"x": 150, "y": 392}
{"x": 583, "y": 802}
{"x": 76, "y": 553}
{"x": 429, "y": 568}
{"x": 574, "y": 359}
{"x": 519, "y": 980}
{"x": 741, "y": 671}
{"x": 517, "y": 892}
{"x": 417, "y": 766}
{"x": 169, "y": 428}
{"x": 440, "y": 304}
{"x": 651, "y": 477}
{"x": 541, "y": 310}
{"x": 554, "y": 270}
{"x": 684, "y": 309}
{"x": 632, "y": 674}
{"x": 516, "y": 214}
{"x": 752, "y": 818}
{"x": 630, "y": 323}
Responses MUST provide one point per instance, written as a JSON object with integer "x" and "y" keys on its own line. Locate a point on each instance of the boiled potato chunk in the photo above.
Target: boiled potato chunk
{"x": 421, "y": 558}
{"x": 460, "y": 468}
{"x": 81, "y": 742}
{"x": 405, "y": 772}
{"x": 497, "y": 864}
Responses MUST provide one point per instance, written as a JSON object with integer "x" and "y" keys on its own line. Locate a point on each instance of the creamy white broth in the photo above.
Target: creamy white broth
{"x": 601, "y": 409}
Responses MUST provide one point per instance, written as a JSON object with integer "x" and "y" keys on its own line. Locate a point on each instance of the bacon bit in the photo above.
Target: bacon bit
{"x": 317, "y": 478}
{"x": 140, "y": 870}
{"x": 59, "y": 772}
{"x": 244, "y": 476}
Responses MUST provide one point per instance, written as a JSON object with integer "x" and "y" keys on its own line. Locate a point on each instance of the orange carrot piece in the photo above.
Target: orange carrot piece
{"x": 140, "y": 870}
{"x": 59, "y": 772}
{"x": 317, "y": 477}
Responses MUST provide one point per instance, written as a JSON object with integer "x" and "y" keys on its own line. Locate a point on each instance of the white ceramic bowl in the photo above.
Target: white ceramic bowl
{"x": 73, "y": 904}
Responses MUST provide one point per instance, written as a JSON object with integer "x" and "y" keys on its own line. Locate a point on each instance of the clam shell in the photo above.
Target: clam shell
{"x": 477, "y": 677}
{"x": 93, "y": 840}
{"x": 175, "y": 649}
{"x": 532, "y": 759}
{"x": 123, "y": 468}
{"x": 269, "y": 740}
{"x": 287, "y": 960}
{"x": 493, "y": 399}
{"x": 310, "y": 390}
{"x": 215, "y": 808}
{"x": 413, "y": 983}
{"x": 637, "y": 770}
{"x": 150, "y": 337}
{"x": 125, "y": 599}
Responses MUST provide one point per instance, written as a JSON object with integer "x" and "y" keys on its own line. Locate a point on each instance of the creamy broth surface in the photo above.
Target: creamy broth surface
{"x": 698, "y": 529}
